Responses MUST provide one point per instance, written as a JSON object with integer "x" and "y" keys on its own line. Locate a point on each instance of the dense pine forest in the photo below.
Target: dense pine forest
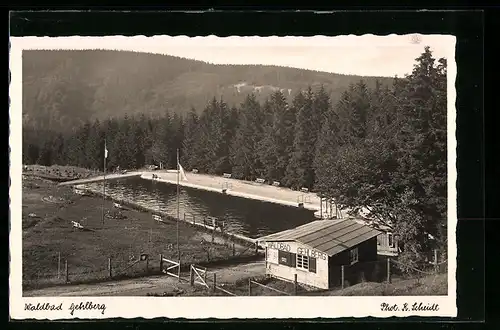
{"x": 382, "y": 148}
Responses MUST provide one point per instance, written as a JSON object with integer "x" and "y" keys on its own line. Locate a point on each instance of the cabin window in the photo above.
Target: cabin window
{"x": 286, "y": 258}
{"x": 302, "y": 262}
{"x": 312, "y": 265}
{"x": 353, "y": 256}
{"x": 391, "y": 240}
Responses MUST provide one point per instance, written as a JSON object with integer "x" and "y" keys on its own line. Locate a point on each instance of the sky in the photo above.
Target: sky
{"x": 366, "y": 55}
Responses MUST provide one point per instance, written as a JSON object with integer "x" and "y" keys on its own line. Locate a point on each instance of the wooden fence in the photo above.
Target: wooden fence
{"x": 198, "y": 275}
{"x": 67, "y": 273}
{"x": 250, "y": 282}
{"x": 172, "y": 268}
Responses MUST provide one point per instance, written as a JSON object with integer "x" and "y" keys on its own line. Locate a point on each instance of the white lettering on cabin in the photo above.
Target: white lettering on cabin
{"x": 311, "y": 253}
{"x": 279, "y": 246}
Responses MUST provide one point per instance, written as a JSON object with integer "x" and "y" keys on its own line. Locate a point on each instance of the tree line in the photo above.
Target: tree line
{"x": 380, "y": 149}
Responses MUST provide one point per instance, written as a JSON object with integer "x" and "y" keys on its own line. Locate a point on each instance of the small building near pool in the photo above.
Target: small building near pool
{"x": 317, "y": 250}
{"x": 387, "y": 242}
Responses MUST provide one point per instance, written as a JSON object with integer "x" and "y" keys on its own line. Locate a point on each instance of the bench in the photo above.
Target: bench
{"x": 215, "y": 222}
{"x": 259, "y": 180}
{"x": 194, "y": 171}
{"x": 227, "y": 175}
{"x": 212, "y": 219}
{"x": 207, "y": 221}
{"x": 77, "y": 225}
{"x": 157, "y": 218}
{"x": 79, "y": 191}
{"x": 276, "y": 184}
{"x": 304, "y": 190}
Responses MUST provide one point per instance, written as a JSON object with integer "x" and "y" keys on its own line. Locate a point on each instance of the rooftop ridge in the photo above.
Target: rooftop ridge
{"x": 332, "y": 223}
{"x": 311, "y": 234}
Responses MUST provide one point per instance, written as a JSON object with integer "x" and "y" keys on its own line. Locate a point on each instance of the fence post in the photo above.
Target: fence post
{"x": 191, "y": 275}
{"x": 213, "y": 233}
{"x": 436, "y": 260}
{"x": 388, "y": 270}
{"x": 295, "y": 285}
{"x": 342, "y": 277}
{"x": 109, "y": 267}
{"x": 161, "y": 262}
{"x": 249, "y": 287}
{"x": 66, "y": 270}
{"x": 265, "y": 258}
{"x": 234, "y": 250}
{"x": 215, "y": 281}
{"x": 147, "y": 265}
{"x": 58, "y": 265}
{"x": 256, "y": 248}
{"x": 205, "y": 276}
{"x": 179, "y": 270}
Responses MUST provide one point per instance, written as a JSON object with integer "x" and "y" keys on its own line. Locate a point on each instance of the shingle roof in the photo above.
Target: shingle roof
{"x": 328, "y": 236}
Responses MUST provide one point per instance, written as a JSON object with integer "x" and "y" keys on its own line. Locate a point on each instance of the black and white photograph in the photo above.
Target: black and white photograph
{"x": 187, "y": 177}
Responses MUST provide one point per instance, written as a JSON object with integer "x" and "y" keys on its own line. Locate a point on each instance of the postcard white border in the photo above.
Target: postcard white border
{"x": 209, "y": 307}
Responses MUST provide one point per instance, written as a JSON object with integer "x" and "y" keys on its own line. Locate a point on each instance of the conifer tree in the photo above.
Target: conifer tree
{"x": 81, "y": 146}
{"x": 136, "y": 144}
{"x": 300, "y": 167}
{"x": 245, "y": 158}
{"x": 93, "y": 146}
{"x": 58, "y": 150}
{"x": 160, "y": 148}
{"x": 30, "y": 146}
{"x": 273, "y": 145}
{"x": 190, "y": 142}
{"x": 204, "y": 151}
{"x": 325, "y": 155}
{"x": 122, "y": 148}
{"x": 46, "y": 154}
{"x": 222, "y": 137}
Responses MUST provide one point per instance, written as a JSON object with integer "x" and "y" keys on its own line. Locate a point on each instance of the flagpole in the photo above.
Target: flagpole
{"x": 104, "y": 181}
{"x": 178, "y": 211}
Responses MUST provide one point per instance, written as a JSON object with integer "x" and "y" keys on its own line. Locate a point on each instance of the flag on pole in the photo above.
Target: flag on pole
{"x": 105, "y": 150}
{"x": 183, "y": 175}
{"x": 180, "y": 170}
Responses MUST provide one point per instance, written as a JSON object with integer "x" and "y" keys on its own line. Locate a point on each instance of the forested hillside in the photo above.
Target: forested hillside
{"x": 64, "y": 88}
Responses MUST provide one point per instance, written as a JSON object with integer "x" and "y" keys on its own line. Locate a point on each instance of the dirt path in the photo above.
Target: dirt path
{"x": 100, "y": 178}
{"x": 150, "y": 285}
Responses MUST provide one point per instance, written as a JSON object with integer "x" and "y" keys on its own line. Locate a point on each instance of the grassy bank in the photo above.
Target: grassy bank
{"x": 431, "y": 285}
{"x": 59, "y": 173}
{"x": 48, "y": 212}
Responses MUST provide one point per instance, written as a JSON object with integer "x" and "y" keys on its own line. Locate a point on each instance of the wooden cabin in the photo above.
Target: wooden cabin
{"x": 316, "y": 251}
{"x": 387, "y": 242}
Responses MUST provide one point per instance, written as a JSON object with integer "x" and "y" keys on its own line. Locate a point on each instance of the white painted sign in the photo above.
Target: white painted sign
{"x": 311, "y": 253}
{"x": 299, "y": 250}
{"x": 279, "y": 246}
